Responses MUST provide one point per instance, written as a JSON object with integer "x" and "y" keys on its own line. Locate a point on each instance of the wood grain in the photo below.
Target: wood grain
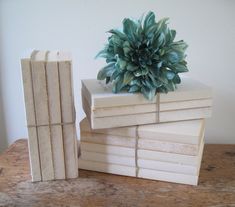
{"x": 216, "y": 185}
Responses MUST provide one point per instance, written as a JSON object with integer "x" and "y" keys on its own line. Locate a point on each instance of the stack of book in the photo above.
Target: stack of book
{"x": 126, "y": 134}
{"x": 192, "y": 100}
{"x": 49, "y": 102}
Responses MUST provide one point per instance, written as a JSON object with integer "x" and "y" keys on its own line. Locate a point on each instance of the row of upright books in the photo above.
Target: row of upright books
{"x": 49, "y": 103}
{"x": 162, "y": 139}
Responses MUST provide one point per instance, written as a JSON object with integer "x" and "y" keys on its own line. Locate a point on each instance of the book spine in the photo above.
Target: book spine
{"x": 42, "y": 118}
{"x": 52, "y": 73}
{"x": 68, "y": 116}
{"x": 31, "y": 120}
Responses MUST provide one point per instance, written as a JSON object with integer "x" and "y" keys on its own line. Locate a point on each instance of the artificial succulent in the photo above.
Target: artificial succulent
{"x": 143, "y": 57}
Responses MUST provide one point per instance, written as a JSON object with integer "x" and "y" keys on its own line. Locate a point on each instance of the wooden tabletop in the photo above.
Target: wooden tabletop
{"x": 216, "y": 185}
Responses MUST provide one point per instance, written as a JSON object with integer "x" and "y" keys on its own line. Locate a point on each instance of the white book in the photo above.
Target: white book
{"x": 171, "y": 147}
{"x": 42, "y": 114}
{"x": 193, "y": 160}
{"x": 145, "y": 118}
{"x": 33, "y": 145}
{"x": 147, "y": 144}
{"x": 192, "y": 100}
{"x": 106, "y": 168}
{"x": 68, "y": 118}
{"x": 108, "y": 158}
{"x": 107, "y": 149}
{"x": 168, "y": 176}
{"x": 129, "y": 131}
{"x": 147, "y": 108}
{"x": 142, "y": 163}
{"x": 52, "y": 72}
{"x": 53, "y": 146}
{"x": 189, "y": 131}
{"x": 172, "y": 167}
{"x": 167, "y": 166}
{"x": 142, "y": 173}
{"x": 99, "y": 95}
{"x": 144, "y": 154}
{"x": 107, "y": 139}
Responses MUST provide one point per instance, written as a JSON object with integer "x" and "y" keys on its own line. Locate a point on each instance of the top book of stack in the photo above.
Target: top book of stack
{"x": 104, "y": 109}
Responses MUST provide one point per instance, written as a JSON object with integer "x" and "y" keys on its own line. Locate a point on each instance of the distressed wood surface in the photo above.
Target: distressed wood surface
{"x": 216, "y": 184}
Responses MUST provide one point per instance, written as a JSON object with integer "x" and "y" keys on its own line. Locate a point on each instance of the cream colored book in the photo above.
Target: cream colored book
{"x": 129, "y": 131}
{"x": 142, "y": 173}
{"x": 107, "y": 139}
{"x": 144, "y": 154}
{"x": 142, "y": 163}
{"x": 168, "y": 176}
{"x": 107, "y": 149}
{"x": 192, "y": 100}
{"x": 193, "y": 160}
{"x": 144, "y": 118}
{"x": 108, "y": 158}
{"x": 54, "y": 98}
{"x": 53, "y": 147}
{"x": 68, "y": 118}
{"x": 147, "y": 144}
{"x": 148, "y": 108}
{"x": 106, "y": 168}
{"x": 189, "y": 131}
{"x": 33, "y": 144}
{"x": 42, "y": 113}
{"x": 172, "y": 167}
{"x": 99, "y": 95}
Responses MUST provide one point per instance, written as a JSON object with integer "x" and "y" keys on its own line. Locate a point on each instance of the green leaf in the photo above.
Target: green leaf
{"x": 102, "y": 53}
{"x": 118, "y": 84}
{"x": 163, "y": 78}
{"x": 176, "y": 79}
{"x": 131, "y": 67}
{"x": 156, "y": 82}
{"x": 141, "y": 72}
{"x": 129, "y": 28}
{"x": 172, "y": 35}
{"x": 128, "y": 77}
{"x": 135, "y": 82}
{"x": 148, "y": 93}
{"x": 149, "y": 20}
{"x": 170, "y": 86}
{"x": 106, "y": 71}
{"x": 180, "y": 68}
{"x": 161, "y": 25}
{"x": 169, "y": 74}
{"x": 133, "y": 89}
{"x": 118, "y": 33}
{"x": 121, "y": 64}
{"x": 173, "y": 57}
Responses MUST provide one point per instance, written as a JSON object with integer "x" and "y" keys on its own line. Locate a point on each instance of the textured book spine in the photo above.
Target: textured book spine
{"x": 68, "y": 119}
{"x": 31, "y": 120}
{"x": 42, "y": 118}
{"x": 52, "y": 72}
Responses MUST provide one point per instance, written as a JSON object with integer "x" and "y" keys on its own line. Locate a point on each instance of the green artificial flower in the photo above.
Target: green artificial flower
{"x": 143, "y": 57}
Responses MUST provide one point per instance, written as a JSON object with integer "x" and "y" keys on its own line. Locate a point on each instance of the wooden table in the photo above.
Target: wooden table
{"x": 216, "y": 185}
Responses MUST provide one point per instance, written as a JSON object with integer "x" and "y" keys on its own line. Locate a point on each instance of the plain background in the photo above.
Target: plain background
{"x": 79, "y": 27}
